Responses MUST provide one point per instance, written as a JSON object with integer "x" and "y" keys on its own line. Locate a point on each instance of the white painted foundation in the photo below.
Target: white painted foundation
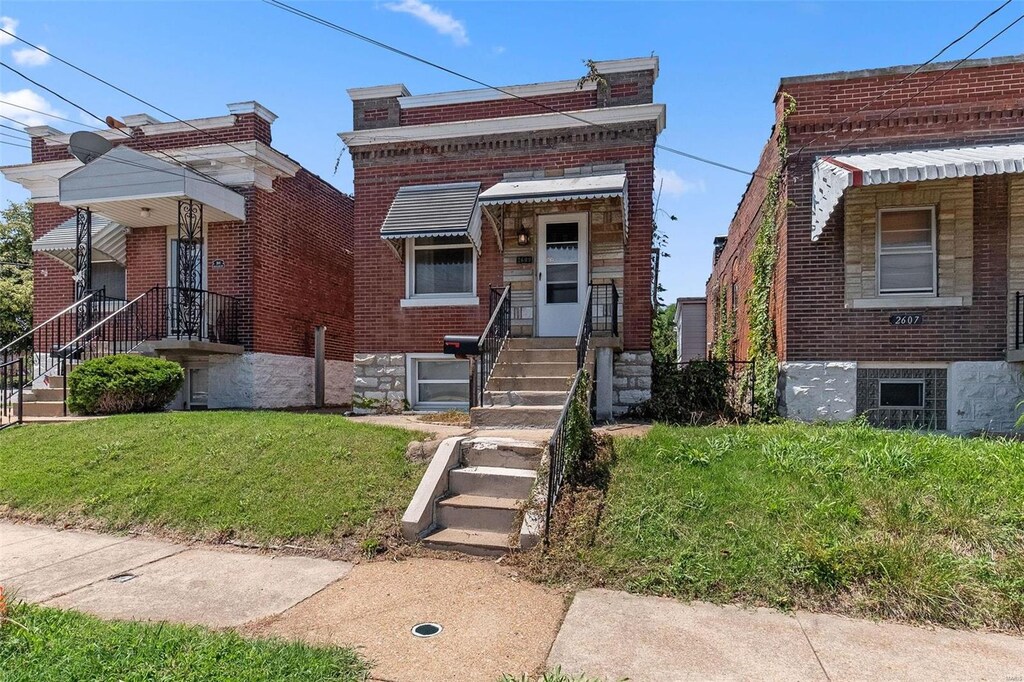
{"x": 267, "y": 380}
{"x": 818, "y": 391}
{"x": 983, "y": 396}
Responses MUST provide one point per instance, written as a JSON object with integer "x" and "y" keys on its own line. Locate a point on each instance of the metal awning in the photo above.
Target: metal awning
{"x": 140, "y": 190}
{"x": 532, "y": 191}
{"x": 833, "y": 174}
{"x": 434, "y": 211}
{"x": 108, "y": 241}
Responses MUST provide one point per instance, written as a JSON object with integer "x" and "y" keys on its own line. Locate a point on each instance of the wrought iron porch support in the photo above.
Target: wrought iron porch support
{"x": 83, "y": 265}
{"x": 189, "y": 309}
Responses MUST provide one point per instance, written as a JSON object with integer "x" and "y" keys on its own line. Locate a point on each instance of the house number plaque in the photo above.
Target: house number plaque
{"x": 524, "y": 260}
{"x": 219, "y": 263}
{"x": 906, "y": 319}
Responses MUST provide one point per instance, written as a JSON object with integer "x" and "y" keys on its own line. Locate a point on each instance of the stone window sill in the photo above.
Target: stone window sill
{"x": 907, "y": 302}
{"x": 440, "y": 302}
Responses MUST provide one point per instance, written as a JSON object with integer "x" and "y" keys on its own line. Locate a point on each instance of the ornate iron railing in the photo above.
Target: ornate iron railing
{"x": 605, "y": 309}
{"x": 493, "y": 338}
{"x": 12, "y": 387}
{"x": 35, "y": 348}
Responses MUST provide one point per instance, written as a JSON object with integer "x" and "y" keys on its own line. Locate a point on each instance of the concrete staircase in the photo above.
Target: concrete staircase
{"x": 478, "y": 512}
{"x": 528, "y": 385}
{"x": 45, "y": 402}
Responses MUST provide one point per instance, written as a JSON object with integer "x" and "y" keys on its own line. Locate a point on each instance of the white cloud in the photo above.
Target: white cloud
{"x": 30, "y": 56}
{"x": 440, "y": 21}
{"x": 9, "y": 25}
{"x": 672, "y": 184}
{"x": 26, "y": 98}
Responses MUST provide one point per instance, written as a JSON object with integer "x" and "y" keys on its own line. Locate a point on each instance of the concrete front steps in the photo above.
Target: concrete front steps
{"x": 528, "y": 385}
{"x": 471, "y": 496}
{"x": 45, "y": 402}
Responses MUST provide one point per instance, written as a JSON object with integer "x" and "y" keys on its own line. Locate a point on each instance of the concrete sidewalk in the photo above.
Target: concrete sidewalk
{"x": 614, "y": 635}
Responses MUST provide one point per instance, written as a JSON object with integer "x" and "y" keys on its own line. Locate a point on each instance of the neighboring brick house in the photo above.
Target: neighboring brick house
{"x": 267, "y": 243}
{"x": 459, "y": 192}
{"x": 901, "y": 247}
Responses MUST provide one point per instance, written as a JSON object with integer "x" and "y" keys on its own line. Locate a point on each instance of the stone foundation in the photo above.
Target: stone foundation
{"x": 269, "y": 381}
{"x": 818, "y": 391}
{"x": 379, "y": 382}
{"x": 631, "y": 380}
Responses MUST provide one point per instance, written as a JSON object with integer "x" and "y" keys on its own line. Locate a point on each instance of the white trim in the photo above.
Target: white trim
{"x": 439, "y": 301}
{"x": 491, "y": 94}
{"x": 638, "y": 113}
{"x": 628, "y": 65}
{"x": 252, "y": 107}
{"x": 414, "y": 300}
{"x": 136, "y": 120}
{"x": 378, "y": 92}
{"x": 153, "y": 129}
{"x": 412, "y": 381}
{"x": 907, "y": 301}
{"x": 932, "y": 250}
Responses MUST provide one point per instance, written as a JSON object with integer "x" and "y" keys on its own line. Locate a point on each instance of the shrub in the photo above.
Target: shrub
{"x": 694, "y": 393}
{"x": 119, "y": 384}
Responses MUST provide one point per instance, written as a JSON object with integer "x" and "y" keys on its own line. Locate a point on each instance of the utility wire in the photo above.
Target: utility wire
{"x": 125, "y": 92}
{"x": 120, "y": 130}
{"x": 903, "y": 80}
{"x": 17, "y": 130}
{"x": 12, "y": 144}
{"x": 390, "y": 48}
{"x": 931, "y": 83}
{"x": 13, "y": 137}
{"x": 43, "y": 113}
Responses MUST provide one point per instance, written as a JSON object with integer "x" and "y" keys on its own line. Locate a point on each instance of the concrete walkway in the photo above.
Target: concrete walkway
{"x": 614, "y": 635}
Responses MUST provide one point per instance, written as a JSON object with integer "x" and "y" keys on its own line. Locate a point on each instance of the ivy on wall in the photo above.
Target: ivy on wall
{"x": 763, "y": 349}
{"x": 725, "y": 327}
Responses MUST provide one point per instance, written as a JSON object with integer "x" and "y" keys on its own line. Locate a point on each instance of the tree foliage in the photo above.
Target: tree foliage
{"x": 15, "y": 270}
{"x": 663, "y": 337}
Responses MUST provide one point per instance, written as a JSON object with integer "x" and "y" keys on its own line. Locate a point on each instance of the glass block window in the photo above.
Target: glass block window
{"x": 903, "y": 398}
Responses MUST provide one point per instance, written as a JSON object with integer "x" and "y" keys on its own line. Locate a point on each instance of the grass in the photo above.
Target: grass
{"x": 40, "y": 644}
{"x": 921, "y": 528}
{"x": 260, "y": 476}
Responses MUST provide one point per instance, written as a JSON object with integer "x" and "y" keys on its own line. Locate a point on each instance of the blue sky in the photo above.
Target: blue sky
{"x": 720, "y": 66}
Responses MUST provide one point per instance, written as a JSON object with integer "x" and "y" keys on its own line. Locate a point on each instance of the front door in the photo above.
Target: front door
{"x": 561, "y": 273}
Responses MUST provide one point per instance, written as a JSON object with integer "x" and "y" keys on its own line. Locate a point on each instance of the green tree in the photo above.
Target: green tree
{"x": 15, "y": 270}
{"x": 663, "y": 334}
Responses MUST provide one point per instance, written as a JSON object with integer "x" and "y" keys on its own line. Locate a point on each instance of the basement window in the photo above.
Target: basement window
{"x": 438, "y": 383}
{"x": 906, "y": 251}
{"x": 901, "y": 394}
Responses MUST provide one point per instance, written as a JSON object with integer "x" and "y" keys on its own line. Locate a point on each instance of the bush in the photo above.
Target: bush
{"x": 694, "y": 393}
{"x": 119, "y": 384}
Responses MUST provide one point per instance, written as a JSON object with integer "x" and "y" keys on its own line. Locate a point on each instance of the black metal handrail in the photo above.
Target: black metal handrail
{"x": 605, "y": 309}
{"x": 12, "y": 392}
{"x": 492, "y": 339}
{"x": 557, "y": 450}
{"x": 586, "y": 329}
{"x": 1018, "y": 322}
{"x": 35, "y": 347}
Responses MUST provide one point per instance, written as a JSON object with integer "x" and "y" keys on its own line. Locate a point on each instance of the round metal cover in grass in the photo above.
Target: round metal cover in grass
{"x": 426, "y": 629}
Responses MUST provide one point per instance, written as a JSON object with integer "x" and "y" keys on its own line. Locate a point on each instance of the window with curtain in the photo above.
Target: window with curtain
{"x": 906, "y": 251}
{"x": 441, "y": 266}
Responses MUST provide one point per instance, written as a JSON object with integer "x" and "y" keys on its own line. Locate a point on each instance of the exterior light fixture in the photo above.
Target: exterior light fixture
{"x": 523, "y": 236}
{"x": 144, "y": 212}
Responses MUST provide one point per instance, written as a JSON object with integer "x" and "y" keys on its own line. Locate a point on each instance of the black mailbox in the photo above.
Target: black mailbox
{"x": 461, "y": 345}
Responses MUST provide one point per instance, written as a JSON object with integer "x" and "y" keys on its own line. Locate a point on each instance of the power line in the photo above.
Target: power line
{"x": 390, "y": 48}
{"x": 128, "y": 94}
{"x": 17, "y": 130}
{"x": 44, "y": 113}
{"x": 123, "y": 132}
{"x": 13, "y": 137}
{"x": 11, "y": 144}
{"x": 931, "y": 83}
{"x": 905, "y": 78}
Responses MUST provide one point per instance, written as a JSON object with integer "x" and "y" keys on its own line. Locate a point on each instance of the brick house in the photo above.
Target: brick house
{"x": 208, "y": 246}
{"x": 462, "y": 194}
{"x": 901, "y": 253}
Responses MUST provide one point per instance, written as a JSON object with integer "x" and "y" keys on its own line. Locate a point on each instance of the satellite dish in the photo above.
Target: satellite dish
{"x": 88, "y": 146}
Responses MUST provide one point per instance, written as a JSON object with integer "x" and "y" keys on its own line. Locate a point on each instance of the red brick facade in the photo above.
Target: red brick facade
{"x": 980, "y": 103}
{"x": 289, "y": 262}
{"x": 381, "y": 169}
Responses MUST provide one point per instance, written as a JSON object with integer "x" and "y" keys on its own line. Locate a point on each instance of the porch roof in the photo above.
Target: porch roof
{"x": 565, "y": 188}
{"x": 140, "y": 190}
{"x": 448, "y": 210}
{"x": 833, "y": 174}
{"x": 108, "y": 241}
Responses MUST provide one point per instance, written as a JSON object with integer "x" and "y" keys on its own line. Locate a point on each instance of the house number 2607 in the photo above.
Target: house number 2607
{"x": 904, "y": 319}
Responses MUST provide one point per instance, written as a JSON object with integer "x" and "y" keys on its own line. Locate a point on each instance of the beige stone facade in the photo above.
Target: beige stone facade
{"x": 954, "y": 205}
{"x": 1015, "y": 258}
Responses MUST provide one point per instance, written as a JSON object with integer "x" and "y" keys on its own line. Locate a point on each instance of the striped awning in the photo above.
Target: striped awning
{"x": 540, "y": 190}
{"x": 833, "y": 174}
{"x": 108, "y": 241}
{"x": 434, "y": 211}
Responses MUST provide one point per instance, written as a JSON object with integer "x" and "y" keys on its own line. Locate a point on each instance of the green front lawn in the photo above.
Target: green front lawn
{"x": 41, "y": 645}
{"x": 254, "y": 475}
{"x": 851, "y": 519}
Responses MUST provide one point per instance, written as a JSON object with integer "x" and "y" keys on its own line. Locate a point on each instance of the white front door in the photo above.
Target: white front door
{"x": 561, "y": 273}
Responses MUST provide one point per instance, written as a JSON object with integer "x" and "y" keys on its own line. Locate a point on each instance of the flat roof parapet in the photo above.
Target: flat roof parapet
{"x": 904, "y": 69}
